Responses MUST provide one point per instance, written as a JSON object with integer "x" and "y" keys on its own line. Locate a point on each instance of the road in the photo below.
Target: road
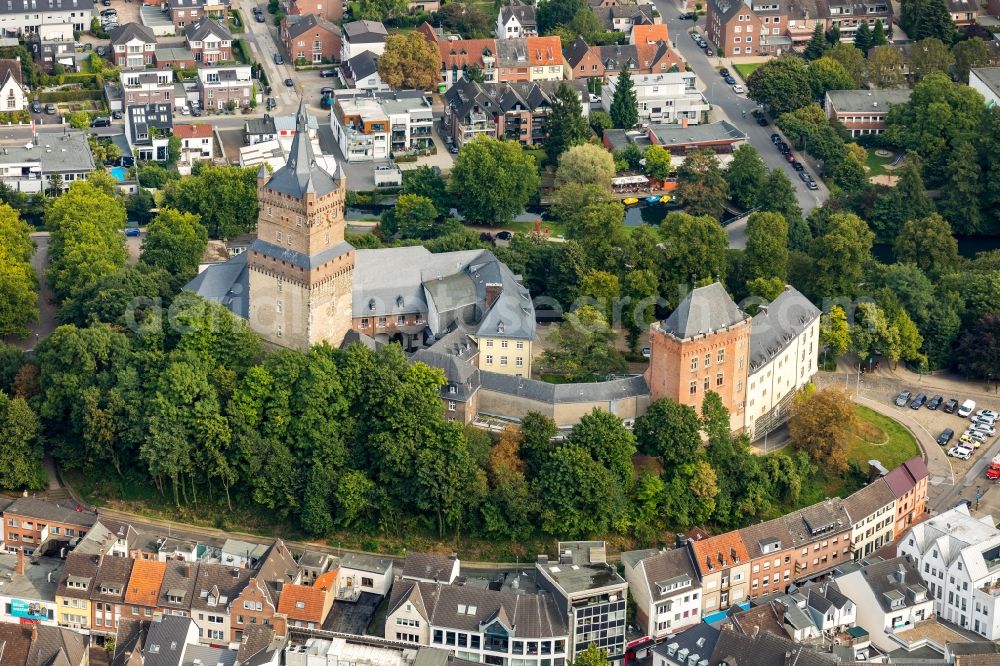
{"x": 730, "y": 106}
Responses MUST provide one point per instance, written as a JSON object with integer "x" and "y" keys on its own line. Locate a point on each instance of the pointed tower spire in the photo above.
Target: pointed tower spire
{"x": 302, "y": 174}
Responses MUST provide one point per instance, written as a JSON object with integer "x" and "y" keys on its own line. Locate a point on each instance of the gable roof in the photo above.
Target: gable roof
{"x": 772, "y": 532}
{"x": 576, "y": 51}
{"x": 817, "y": 521}
{"x": 193, "y": 131}
{"x": 207, "y": 27}
{"x": 705, "y": 309}
{"x": 667, "y": 567}
{"x": 464, "y": 53}
{"x": 868, "y": 500}
{"x": 654, "y": 32}
{"x": 124, "y": 34}
{"x": 719, "y": 552}
{"x": 145, "y": 581}
{"x": 765, "y": 649}
{"x": 53, "y": 512}
{"x": 179, "y": 583}
{"x": 257, "y": 645}
{"x": 165, "y": 640}
{"x": 308, "y": 22}
{"x": 129, "y": 641}
{"x": 780, "y": 321}
{"x": 308, "y": 602}
{"x": 80, "y": 568}
{"x": 897, "y": 578}
{"x": 113, "y": 575}
{"x": 904, "y": 477}
{"x": 40, "y": 645}
{"x": 217, "y": 585}
{"x": 525, "y": 14}
{"x": 363, "y": 65}
{"x": 544, "y": 50}
{"x": 365, "y": 32}
{"x": 430, "y": 566}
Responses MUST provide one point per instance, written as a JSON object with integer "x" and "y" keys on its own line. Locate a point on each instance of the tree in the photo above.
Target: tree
{"x": 79, "y": 119}
{"x": 908, "y": 200}
{"x": 424, "y": 181}
{"x": 20, "y": 430}
{"x": 969, "y": 53}
{"x": 603, "y": 288}
{"x": 715, "y": 418}
{"x": 604, "y": 436}
{"x": 978, "y": 349}
{"x": 850, "y": 174}
{"x": 879, "y": 37}
{"x": 781, "y": 199}
{"x": 766, "y": 288}
{"x": 492, "y": 180}
{"x": 175, "y": 242}
{"x": 871, "y": 332}
{"x": 225, "y": 198}
{"x": 537, "y": 431}
{"x": 624, "y": 104}
{"x": 592, "y": 656}
{"x": 822, "y": 425}
{"x": 933, "y": 20}
{"x": 839, "y": 255}
{"x": 658, "y": 164}
{"x": 700, "y": 184}
{"x": 745, "y": 177}
{"x": 962, "y": 191}
{"x": 552, "y": 13}
{"x": 380, "y": 10}
{"x": 828, "y": 74}
{"x": 467, "y": 20}
{"x": 315, "y": 517}
{"x": 413, "y": 216}
{"x": 593, "y": 219}
{"x": 929, "y": 55}
{"x": 817, "y": 44}
{"x": 671, "y": 431}
{"x": 600, "y": 121}
{"x": 138, "y": 206}
{"x": 781, "y": 84}
{"x": 582, "y": 347}
{"x": 929, "y": 244}
{"x": 566, "y": 124}
{"x": 851, "y": 58}
{"x": 18, "y": 284}
{"x": 409, "y": 61}
{"x": 834, "y": 333}
{"x": 863, "y": 37}
{"x": 833, "y": 37}
{"x": 767, "y": 246}
{"x": 586, "y": 164}
{"x": 353, "y": 496}
{"x": 581, "y": 496}
{"x": 885, "y": 67}
{"x": 694, "y": 250}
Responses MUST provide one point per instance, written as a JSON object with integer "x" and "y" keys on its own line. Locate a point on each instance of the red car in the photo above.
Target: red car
{"x": 790, "y": 158}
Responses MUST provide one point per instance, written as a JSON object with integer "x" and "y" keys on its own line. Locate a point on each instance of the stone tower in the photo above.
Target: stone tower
{"x": 300, "y": 267}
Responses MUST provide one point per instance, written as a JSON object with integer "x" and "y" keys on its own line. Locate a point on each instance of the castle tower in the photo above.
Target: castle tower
{"x": 300, "y": 266}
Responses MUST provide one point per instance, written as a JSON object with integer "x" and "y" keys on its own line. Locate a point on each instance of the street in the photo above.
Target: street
{"x": 730, "y": 106}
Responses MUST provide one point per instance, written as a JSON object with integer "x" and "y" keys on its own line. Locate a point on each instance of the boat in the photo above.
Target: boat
{"x": 665, "y": 198}
{"x": 653, "y": 199}
{"x": 631, "y": 201}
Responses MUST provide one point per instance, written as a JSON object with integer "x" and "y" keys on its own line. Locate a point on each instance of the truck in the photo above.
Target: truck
{"x": 993, "y": 471}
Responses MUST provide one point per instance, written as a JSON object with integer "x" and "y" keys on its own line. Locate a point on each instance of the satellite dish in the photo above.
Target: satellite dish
{"x": 642, "y": 162}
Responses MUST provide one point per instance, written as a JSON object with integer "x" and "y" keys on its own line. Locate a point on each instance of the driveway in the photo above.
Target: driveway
{"x": 46, "y": 310}
{"x": 727, "y": 105}
{"x": 262, "y": 38}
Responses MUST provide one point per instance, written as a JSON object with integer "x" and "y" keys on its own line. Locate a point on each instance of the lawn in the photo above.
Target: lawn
{"x": 746, "y": 69}
{"x": 876, "y": 164}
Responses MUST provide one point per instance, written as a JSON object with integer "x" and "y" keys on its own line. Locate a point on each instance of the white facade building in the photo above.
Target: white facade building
{"x": 30, "y": 167}
{"x": 663, "y": 98}
{"x": 363, "y": 573}
{"x": 665, "y": 588}
{"x": 26, "y": 16}
{"x": 872, "y": 511}
{"x": 959, "y": 557}
{"x": 986, "y": 81}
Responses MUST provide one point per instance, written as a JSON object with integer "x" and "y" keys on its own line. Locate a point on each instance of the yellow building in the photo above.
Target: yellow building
{"x": 73, "y": 592}
{"x": 506, "y": 355}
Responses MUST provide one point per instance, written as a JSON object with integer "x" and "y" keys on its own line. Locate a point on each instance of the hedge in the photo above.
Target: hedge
{"x": 70, "y": 96}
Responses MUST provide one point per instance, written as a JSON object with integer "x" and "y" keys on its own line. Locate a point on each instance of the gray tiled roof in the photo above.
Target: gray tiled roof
{"x": 365, "y": 32}
{"x": 256, "y": 645}
{"x": 704, "y": 310}
{"x": 460, "y": 374}
{"x": 867, "y": 100}
{"x": 363, "y": 65}
{"x": 427, "y": 565}
{"x": 301, "y": 174}
{"x": 130, "y": 638}
{"x": 165, "y": 640}
{"x": 113, "y": 574}
{"x": 817, "y": 521}
{"x": 178, "y": 581}
{"x": 219, "y": 582}
{"x": 126, "y": 33}
{"x": 308, "y": 22}
{"x": 209, "y": 656}
{"x": 699, "y": 639}
{"x": 534, "y": 615}
{"x": 51, "y": 511}
{"x": 897, "y": 577}
{"x": 79, "y": 568}
{"x": 226, "y": 283}
{"x": 668, "y": 566}
{"x": 765, "y": 649}
{"x": 756, "y": 536}
{"x": 365, "y": 562}
{"x": 777, "y": 324}
{"x": 868, "y": 500}
{"x": 263, "y": 125}
{"x": 25, "y": 6}
{"x": 564, "y": 393}
{"x": 207, "y": 27}
{"x": 300, "y": 259}
{"x": 525, "y": 14}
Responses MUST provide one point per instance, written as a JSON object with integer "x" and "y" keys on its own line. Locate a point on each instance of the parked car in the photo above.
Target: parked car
{"x": 804, "y": 177}
{"x": 695, "y": 36}
{"x": 950, "y": 405}
{"x": 982, "y": 420}
{"x": 960, "y": 452}
{"x": 902, "y": 399}
{"x": 328, "y": 73}
{"x": 259, "y": 17}
{"x": 728, "y": 79}
{"x": 708, "y": 51}
{"x": 988, "y": 413}
{"x": 790, "y": 158}
{"x": 723, "y": 72}
{"x": 811, "y": 185}
{"x": 36, "y": 106}
{"x": 967, "y": 441}
{"x": 289, "y": 83}
{"x": 100, "y": 50}
{"x": 132, "y": 231}
{"x": 88, "y": 47}
{"x": 776, "y": 138}
{"x": 103, "y": 121}
{"x": 945, "y": 436}
{"x": 762, "y": 120}
{"x": 50, "y": 109}
{"x": 278, "y": 60}
{"x": 783, "y": 148}
{"x": 966, "y": 408}
{"x": 737, "y": 88}
{"x": 646, "y": 352}
{"x": 504, "y": 235}
{"x": 918, "y": 401}
{"x": 987, "y": 429}
{"x": 977, "y": 435}
{"x": 934, "y": 402}
{"x": 271, "y": 103}
{"x": 326, "y": 91}
{"x": 798, "y": 166}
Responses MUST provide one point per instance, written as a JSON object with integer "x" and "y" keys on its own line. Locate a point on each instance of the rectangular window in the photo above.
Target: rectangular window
{"x": 489, "y": 359}
{"x": 708, "y": 360}
{"x": 707, "y": 382}
{"x": 718, "y": 379}
{"x": 694, "y": 363}
{"x": 693, "y": 388}
{"x": 722, "y": 356}
{"x": 451, "y": 405}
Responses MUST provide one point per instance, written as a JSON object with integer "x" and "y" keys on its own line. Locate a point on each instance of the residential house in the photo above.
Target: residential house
{"x": 33, "y": 644}
{"x": 516, "y": 20}
{"x": 330, "y": 10}
{"x": 479, "y": 625}
{"x": 872, "y": 511}
{"x": 185, "y": 12}
{"x": 361, "y": 72}
{"x": 821, "y": 538}
{"x": 313, "y": 564}
{"x": 959, "y": 558}
{"x": 171, "y": 548}
{"x": 360, "y": 572}
{"x": 863, "y": 112}
{"x": 890, "y": 597}
{"x": 736, "y": 648}
{"x": 456, "y": 354}
{"x": 460, "y": 56}
{"x": 723, "y": 564}
{"x": 51, "y": 46}
{"x": 963, "y": 12}
{"x": 622, "y": 18}
{"x": 590, "y": 596}
{"x": 530, "y": 59}
{"x": 226, "y": 86}
{"x": 649, "y": 33}
{"x": 21, "y": 17}
{"x": 307, "y": 605}
{"x": 168, "y": 641}
{"x": 236, "y": 552}
{"x": 698, "y": 641}
{"x": 908, "y": 482}
{"x": 107, "y": 595}
{"x": 178, "y": 588}
{"x": 28, "y": 593}
{"x": 197, "y": 141}
{"x": 666, "y": 98}
{"x": 430, "y": 567}
{"x": 986, "y": 81}
{"x": 311, "y": 39}
{"x": 784, "y": 355}
{"x": 666, "y": 590}
{"x": 359, "y": 36}
{"x": 30, "y": 523}
{"x": 13, "y": 94}
{"x": 258, "y": 130}
{"x": 76, "y": 584}
{"x": 769, "y": 546}
{"x": 133, "y": 46}
{"x": 599, "y": 62}
{"x": 209, "y": 40}
{"x": 147, "y": 130}
{"x": 257, "y": 602}
{"x": 144, "y": 87}
{"x": 143, "y": 590}
{"x": 213, "y": 600}
{"x": 361, "y": 129}
{"x": 260, "y": 646}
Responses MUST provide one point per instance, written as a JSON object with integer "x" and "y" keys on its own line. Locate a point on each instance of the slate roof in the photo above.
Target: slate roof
{"x": 307, "y": 23}
{"x": 699, "y": 639}
{"x": 667, "y": 566}
{"x": 905, "y": 476}
{"x": 264, "y": 125}
{"x": 52, "y": 645}
{"x": 704, "y": 310}
{"x": 606, "y": 15}
{"x": 534, "y": 615}
{"x": 219, "y": 583}
{"x": 144, "y": 116}
{"x": 868, "y": 500}
{"x": 257, "y": 644}
{"x": 719, "y": 552}
{"x": 765, "y": 649}
{"x": 768, "y": 617}
{"x": 165, "y": 640}
{"x": 757, "y": 535}
{"x": 533, "y": 389}
{"x": 883, "y": 578}
{"x": 817, "y": 521}
{"x": 364, "y": 32}
{"x": 774, "y": 326}
{"x": 365, "y": 562}
{"x": 302, "y": 174}
{"x": 277, "y": 566}
{"x": 197, "y": 654}
{"x": 427, "y": 565}
{"x": 459, "y": 373}
{"x": 178, "y": 581}
{"x": 226, "y": 283}
{"x": 79, "y": 568}
{"x": 124, "y": 34}
{"x": 207, "y": 27}
{"x": 467, "y": 96}
{"x": 130, "y": 639}
{"x": 144, "y": 583}
{"x": 25, "y": 6}
{"x": 52, "y": 512}
{"x": 525, "y": 15}
{"x": 363, "y": 65}
{"x": 113, "y": 574}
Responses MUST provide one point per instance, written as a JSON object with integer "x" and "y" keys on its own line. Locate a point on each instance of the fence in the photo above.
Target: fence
{"x": 872, "y": 387}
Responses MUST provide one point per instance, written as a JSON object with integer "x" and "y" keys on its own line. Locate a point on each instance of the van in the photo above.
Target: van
{"x": 966, "y": 408}
{"x": 103, "y": 121}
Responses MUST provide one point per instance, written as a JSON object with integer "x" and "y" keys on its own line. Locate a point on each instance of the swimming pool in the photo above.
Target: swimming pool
{"x": 118, "y": 173}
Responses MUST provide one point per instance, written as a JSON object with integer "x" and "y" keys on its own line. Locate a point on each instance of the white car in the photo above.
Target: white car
{"x": 977, "y": 435}
{"x": 988, "y": 413}
{"x": 966, "y": 408}
{"x": 982, "y": 420}
{"x": 960, "y": 452}
{"x": 986, "y": 429}
{"x": 738, "y": 89}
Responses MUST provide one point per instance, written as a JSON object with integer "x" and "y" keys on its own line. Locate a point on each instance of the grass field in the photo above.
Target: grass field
{"x": 876, "y": 164}
{"x": 746, "y": 69}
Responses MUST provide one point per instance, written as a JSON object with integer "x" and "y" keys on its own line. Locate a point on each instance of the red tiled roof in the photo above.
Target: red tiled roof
{"x": 300, "y": 602}
{"x": 465, "y": 52}
{"x": 722, "y": 551}
{"x": 642, "y": 34}
{"x": 903, "y": 478}
{"x": 144, "y": 583}
{"x": 195, "y": 131}
{"x": 544, "y": 50}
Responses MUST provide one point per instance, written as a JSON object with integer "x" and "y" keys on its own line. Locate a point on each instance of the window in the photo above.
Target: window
{"x": 489, "y": 359}
{"x": 503, "y": 344}
{"x": 451, "y": 405}
{"x": 721, "y": 356}
{"x": 694, "y": 363}
{"x": 718, "y": 379}
{"x": 520, "y": 344}
{"x": 503, "y": 360}
{"x": 367, "y": 582}
{"x": 400, "y": 320}
{"x": 693, "y": 388}
{"x": 707, "y": 382}
{"x": 708, "y": 359}
{"x": 519, "y": 362}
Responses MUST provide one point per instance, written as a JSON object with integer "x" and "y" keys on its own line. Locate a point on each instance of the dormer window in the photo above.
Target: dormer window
{"x": 371, "y": 304}
{"x": 500, "y": 327}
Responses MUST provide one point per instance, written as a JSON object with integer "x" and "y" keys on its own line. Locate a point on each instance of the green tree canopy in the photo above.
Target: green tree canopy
{"x": 671, "y": 431}
{"x": 929, "y": 244}
{"x": 582, "y": 347}
{"x": 18, "y": 284}
{"x": 767, "y": 246}
{"x": 225, "y": 198}
{"x": 929, "y": 55}
{"x": 745, "y": 177}
{"x": 781, "y": 84}
{"x": 969, "y": 53}
{"x": 566, "y": 125}
{"x": 175, "y": 242}
{"x": 492, "y": 180}
{"x": 624, "y": 104}
{"x": 586, "y": 164}
{"x": 701, "y": 185}
{"x": 694, "y": 250}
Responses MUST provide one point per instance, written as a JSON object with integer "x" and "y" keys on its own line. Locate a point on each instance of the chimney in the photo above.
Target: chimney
{"x": 34, "y": 633}
{"x": 19, "y": 567}
{"x": 493, "y": 292}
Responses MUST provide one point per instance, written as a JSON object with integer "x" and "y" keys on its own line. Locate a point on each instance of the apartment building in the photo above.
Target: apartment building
{"x": 30, "y": 523}
{"x": 29, "y": 168}
{"x": 107, "y": 595}
{"x": 821, "y": 538}
{"x": 361, "y": 128}
{"x": 666, "y": 590}
{"x": 221, "y": 87}
{"x": 147, "y": 87}
{"x": 359, "y": 36}
{"x": 185, "y": 12}
{"x": 641, "y": 57}
{"x": 666, "y": 98}
{"x": 872, "y": 511}
{"x": 863, "y": 112}
{"x": 331, "y": 10}
{"x": 723, "y": 564}
{"x": 959, "y": 558}
{"x": 209, "y": 40}
{"x": 908, "y": 482}
{"x": 20, "y": 17}
{"x": 769, "y": 546}
{"x": 143, "y": 590}
{"x": 590, "y": 597}
{"x": 133, "y": 46}
{"x": 312, "y": 39}
{"x": 73, "y": 592}
{"x": 530, "y": 59}
{"x": 459, "y": 57}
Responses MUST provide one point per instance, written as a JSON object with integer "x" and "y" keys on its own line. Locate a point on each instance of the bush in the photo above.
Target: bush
{"x": 57, "y": 96}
